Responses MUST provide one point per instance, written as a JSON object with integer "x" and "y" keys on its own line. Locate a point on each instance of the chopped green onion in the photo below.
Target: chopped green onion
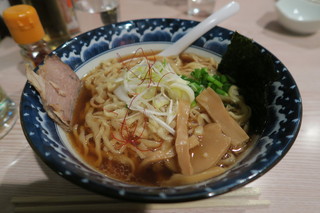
{"x": 195, "y": 87}
{"x": 223, "y": 79}
{"x": 193, "y": 103}
{"x": 226, "y": 87}
{"x": 187, "y": 79}
{"x": 164, "y": 63}
{"x": 201, "y": 79}
{"x": 215, "y": 81}
{"x": 221, "y": 92}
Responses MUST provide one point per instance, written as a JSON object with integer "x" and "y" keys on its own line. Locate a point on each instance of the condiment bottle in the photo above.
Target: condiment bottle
{"x": 54, "y": 25}
{"x": 25, "y": 28}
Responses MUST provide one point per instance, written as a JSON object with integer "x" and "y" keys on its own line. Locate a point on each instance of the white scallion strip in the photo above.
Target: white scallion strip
{"x": 162, "y": 123}
{"x": 148, "y": 89}
{"x": 122, "y": 94}
{"x": 171, "y": 114}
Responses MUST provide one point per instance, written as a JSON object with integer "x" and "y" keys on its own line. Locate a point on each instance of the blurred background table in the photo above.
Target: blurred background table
{"x": 293, "y": 185}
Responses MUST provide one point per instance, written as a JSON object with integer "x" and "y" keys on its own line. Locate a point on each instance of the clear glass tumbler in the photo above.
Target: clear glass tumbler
{"x": 201, "y": 8}
{"x": 8, "y": 113}
{"x": 107, "y": 9}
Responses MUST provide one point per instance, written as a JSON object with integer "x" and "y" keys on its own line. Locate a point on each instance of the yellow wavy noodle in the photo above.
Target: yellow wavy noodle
{"x": 128, "y": 145}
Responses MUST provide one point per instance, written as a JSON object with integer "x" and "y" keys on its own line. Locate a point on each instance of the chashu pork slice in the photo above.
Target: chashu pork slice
{"x": 58, "y": 86}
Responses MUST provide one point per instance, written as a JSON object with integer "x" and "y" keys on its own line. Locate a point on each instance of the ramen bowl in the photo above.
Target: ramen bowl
{"x": 86, "y": 51}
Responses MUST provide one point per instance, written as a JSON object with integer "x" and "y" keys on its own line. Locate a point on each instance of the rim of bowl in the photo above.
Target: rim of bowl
{"x": 141, "y": 196}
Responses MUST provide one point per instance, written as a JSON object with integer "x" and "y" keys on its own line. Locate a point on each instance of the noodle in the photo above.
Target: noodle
{"x": 129, "y": 126}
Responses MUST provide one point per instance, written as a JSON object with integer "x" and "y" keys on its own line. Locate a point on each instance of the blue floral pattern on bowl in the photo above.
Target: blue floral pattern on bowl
{"x": 282, "y": 126}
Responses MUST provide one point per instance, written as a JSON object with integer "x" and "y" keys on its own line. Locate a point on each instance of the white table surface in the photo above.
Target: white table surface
{"x": 293, "y": 185}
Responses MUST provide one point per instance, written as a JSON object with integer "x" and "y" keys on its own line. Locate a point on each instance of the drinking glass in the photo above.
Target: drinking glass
{"x": 201, "y": 8}
{"x": 8, "y": 113}
{"x": 107, "y": 9}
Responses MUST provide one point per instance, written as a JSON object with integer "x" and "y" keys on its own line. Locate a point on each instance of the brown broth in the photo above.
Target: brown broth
{"x": 113, "y": 168}
{"x": 151, "y": 176}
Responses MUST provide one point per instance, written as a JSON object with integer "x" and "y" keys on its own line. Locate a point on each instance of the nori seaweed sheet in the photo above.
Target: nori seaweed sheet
{"x": 253, "y": 71}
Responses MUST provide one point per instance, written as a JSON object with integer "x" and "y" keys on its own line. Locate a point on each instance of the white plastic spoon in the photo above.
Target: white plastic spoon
{"x": 203, "y": 27}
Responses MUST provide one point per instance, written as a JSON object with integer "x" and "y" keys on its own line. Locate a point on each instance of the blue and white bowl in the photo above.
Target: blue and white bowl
{"x": 86, "y": 51}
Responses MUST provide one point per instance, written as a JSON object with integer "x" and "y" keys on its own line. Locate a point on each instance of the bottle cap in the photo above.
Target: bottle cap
{"x": 23, "y": 23}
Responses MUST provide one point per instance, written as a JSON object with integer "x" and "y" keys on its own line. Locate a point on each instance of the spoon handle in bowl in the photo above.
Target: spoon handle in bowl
{"x": 203, "y": 27}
